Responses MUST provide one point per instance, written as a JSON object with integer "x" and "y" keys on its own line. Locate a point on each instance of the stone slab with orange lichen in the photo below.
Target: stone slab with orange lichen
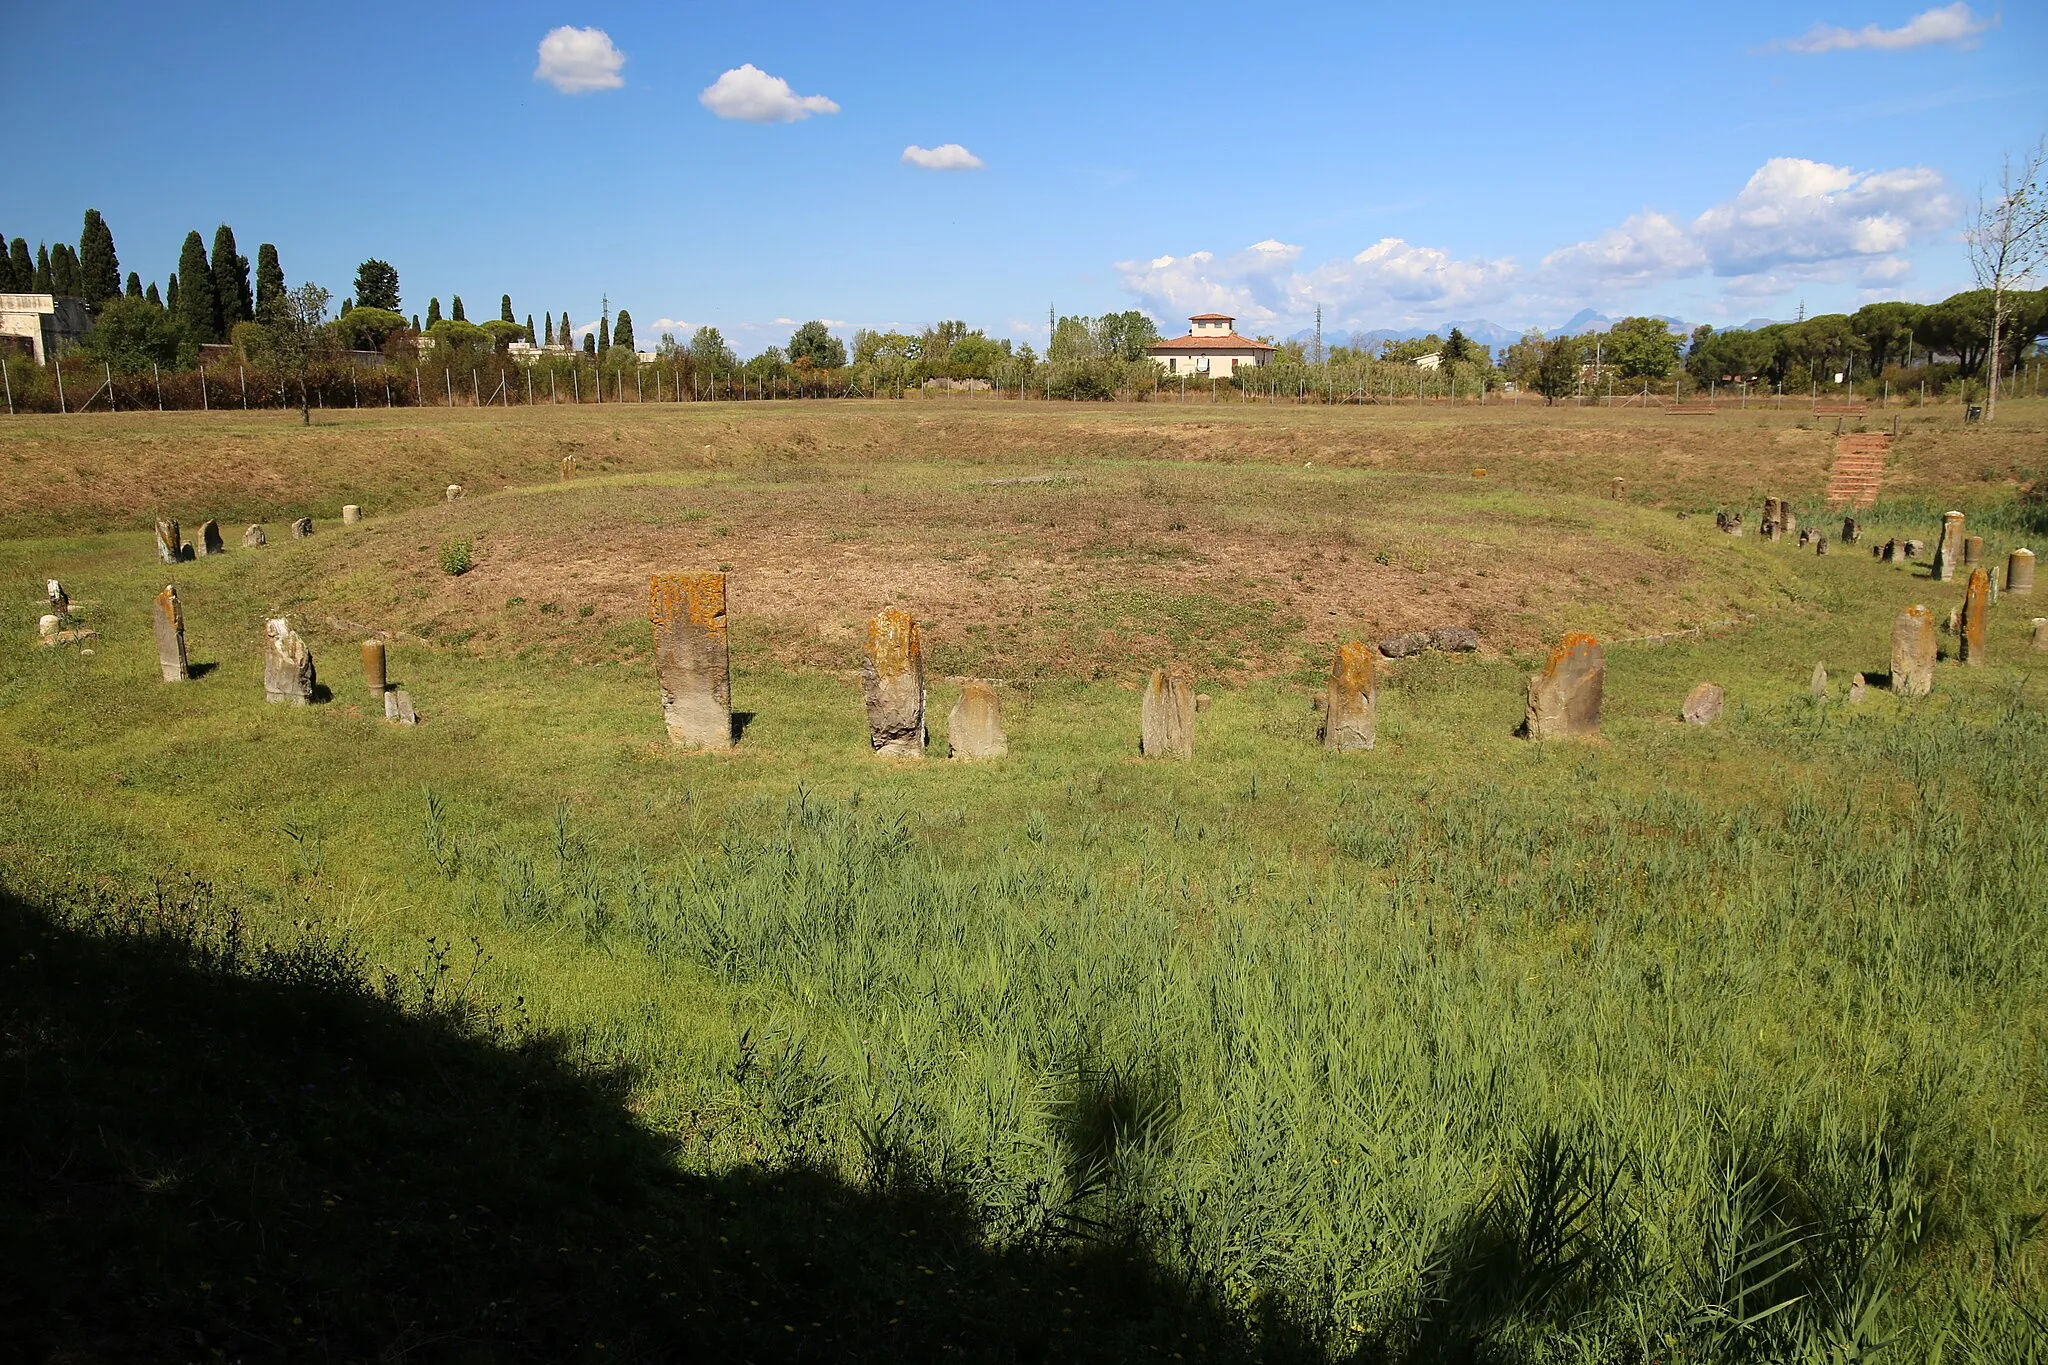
{"x": 691, "y": 662}
{"x": 1351, "y": 709}
{"x": 892, "y": 684}
{"x": 1564, "y": 699}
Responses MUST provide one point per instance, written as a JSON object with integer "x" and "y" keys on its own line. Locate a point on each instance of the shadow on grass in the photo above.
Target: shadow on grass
{"x": 221, "y": 1150}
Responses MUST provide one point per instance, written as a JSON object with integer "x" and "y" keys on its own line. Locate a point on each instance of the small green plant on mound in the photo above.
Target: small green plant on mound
{"x": 458, "y": 556}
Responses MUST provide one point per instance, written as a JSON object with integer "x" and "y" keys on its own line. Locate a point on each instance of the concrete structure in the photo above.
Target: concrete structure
{"x": 1433, "y": 361}
{"x": 43, "y": 324}
{"x": 1211, "y": 347}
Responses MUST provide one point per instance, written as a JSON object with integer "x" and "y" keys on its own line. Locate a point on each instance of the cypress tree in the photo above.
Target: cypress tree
{"x": 505, "y": 308}
{"x": 134, "y": 285}
{"x": 565, "y": 340}
{"x": 269, "y": 281}
{"x": 529, "y": 331}
{"x": 99, "y": 275}
{"x": 171, "y": 295}
{"x": 433, "y": 310}
{"x": 197, "y": 310}
{"x": 547, "y": 322}
{"x": 20, "y": 266}
{"x": 415, "y": 322}
{"x": 64, "y": 270}
{"x": 590, "y": 343}
{"x": 42, "y": 278}
{"x": 347, "y": 304}
{"x": 156, "y": 300}
{"x": 622, "y": 335}
{"x": 604, "y": 335}
{"x": 458, "y": 309}
{"x": 7, "y": 284}
{"x": 230, "y": 281}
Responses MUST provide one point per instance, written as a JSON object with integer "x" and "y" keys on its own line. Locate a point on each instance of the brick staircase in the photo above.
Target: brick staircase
{"x": 1858, "y": 470}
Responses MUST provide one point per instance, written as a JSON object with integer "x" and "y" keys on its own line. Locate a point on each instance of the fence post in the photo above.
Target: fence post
{"x": 529, "y": 386}
{"x": 448, "y": 386}
{"x": 355, "y": 392}
{"x": 111, "y": 405}
{"x": 243, "y": 371}
{"x": 553, "y": 397}
{"x": 8, "y": 380}
{"x": 155, "y": 374}
{"x": 475, "y": 400}
{"x": 387, "y": 388}
{"x": 204, "y": 404}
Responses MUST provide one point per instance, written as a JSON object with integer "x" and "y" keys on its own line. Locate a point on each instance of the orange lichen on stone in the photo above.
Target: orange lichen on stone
{"x": 893, "y": 645}
{"x": 698, "y": 598}
{"x": 1571, "y": 643}
{"x": 1354, "y": 670}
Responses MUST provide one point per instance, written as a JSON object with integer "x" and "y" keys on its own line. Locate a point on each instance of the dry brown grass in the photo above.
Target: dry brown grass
{"x": 98, "y": 472}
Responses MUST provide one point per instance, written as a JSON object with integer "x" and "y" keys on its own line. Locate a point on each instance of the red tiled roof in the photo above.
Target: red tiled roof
{"x": 1229, "y": 341}
{"x": 1212, "y": 317}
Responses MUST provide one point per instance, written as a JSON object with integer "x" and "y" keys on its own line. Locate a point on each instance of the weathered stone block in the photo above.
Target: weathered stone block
{"x": 1351, "y": 706}
{"x": 1818, "y": 683}
{"x": 1857, "y": 687}
{"x": 1166, "y": 717}
{"x": 398, "y": 707}
{"x": 974, "y": 727}
{"x": 1852, "y": 530}
{"x": 168, "y": 620}
{"x": 2019, "y": 572}
{"x": 1973, "y": 551}
{"x": 1976, "y": 606}
{"x": 169, "y": 548}
{"x": 2040, "y": 624}
{"x": 892, "y": 682}
{"x": 209, "y": 542}
{"x": 1914, "y": 649}
{"x": 373, "y": 667}
{"x": 288, "y": 675}
{"x": 1454, "y": 639}
{"x": 254, "y": 537}
{"x": 691, "y": 662}
{"x": 1564, "y": 699}
{"x": 1703, "y": 704}
{"x": 1407, "y": 643}
{"x": 60, "y": 601}
{"x": 1948, "y": 550}
{"x": 452, "y": 492}
{"x": 302, "y": 528}
{"x": 351, "y": 514}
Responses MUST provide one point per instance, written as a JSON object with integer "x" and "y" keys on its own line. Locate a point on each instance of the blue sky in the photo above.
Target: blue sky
{"x": 740, "y": 165}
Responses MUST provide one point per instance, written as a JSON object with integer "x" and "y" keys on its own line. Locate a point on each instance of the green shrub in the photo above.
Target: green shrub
{"x": 458, "y": 556}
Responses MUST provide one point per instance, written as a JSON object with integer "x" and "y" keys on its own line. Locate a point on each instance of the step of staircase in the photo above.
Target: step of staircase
{"x": 1858, "y": 471}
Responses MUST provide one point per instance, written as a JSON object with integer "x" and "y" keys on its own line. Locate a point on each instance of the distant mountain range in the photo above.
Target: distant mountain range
{"x": 1488, "y": 333}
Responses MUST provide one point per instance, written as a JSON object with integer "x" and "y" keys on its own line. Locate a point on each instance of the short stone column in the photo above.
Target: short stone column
{"x": 288, "y": 675}
{"x": 1351, "y": 706}
{"x": 2040, "y": 624}
{"x": 253, "y": 537}
{"x": 451, "y": 493}
{"x": 1976, "y": 606}
{"x": 168, "y": 620}
{"x": 209, "y": 542}
{"x": 1166, "y": 717}
{"x": 1616, "y": 487}
{"x": 892, "y": 683}
{"x": 1973, "y": 551}
{"x": 2019, "y": 572}
{"x": 1914, "y": 647}
{"x": 302, "y": 528}
{"x": 974, "y": 727}
{"x": 691, "y": 663}
{"x": 351, "y": 514}
{"x": 168, "y": 546}
{"x": 1564, "y": 699}
{"x": 60, "y": 600}
{"x": 1852, "y": 530}
{"x": 1948, "y": 548}
{"x": 373, "y": 668}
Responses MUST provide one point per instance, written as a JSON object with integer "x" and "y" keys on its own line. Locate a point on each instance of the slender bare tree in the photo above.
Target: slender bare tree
{"x": 2008, "y": 237}
{"x": 296, "y": 337}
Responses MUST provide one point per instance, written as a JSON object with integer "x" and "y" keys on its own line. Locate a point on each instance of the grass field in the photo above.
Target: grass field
{"x": 523, "y": 1036}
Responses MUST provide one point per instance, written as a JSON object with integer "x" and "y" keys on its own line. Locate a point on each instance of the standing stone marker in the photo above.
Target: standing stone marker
{"x": 974, "y": 727}
{"x": 1913, "y": 651}
{"x": 568, "y": 467}
{"x": 287, "y": 665}
{"x": 1703, "y": 704}
{"x": 169, "y": 620}
{"x": 1820, "y": 545}
{"x": 398, "y": 707}
{"x": 168, "y": 549}
{"x": 1166, "y": 717}
{"x": 453, "y": 492}
{"x": 892, "y": 681}
{"x": 2019, "y": 572}
{"x": 1856, "y": 688}
{"x": 1894, "y": 552}
{"x": 1973, "y": 551}
{"x": 48, "y": 626}
{"x": 1351, "y": 707}
{"x": 373, "y": 667}
{"x": 254, "y": 537}
{"x": 1914, "y": 547}
{"x": 1948, "y": 550}
{"x": 1852, "y": 530}
{"x": 60, "y": 601}
{"x": 351, "y": 514}
{"x": 1564, "y": 699}
{"x": 1976, "y": 605}
{"x": 2040, "y": 624}
{"x": 1788, "y": 521}
{"x": 691, "y": 664}
{"x": 302, "y": 528}
{"x": 210, "y": 542}
{"x": 1615, "y": 487}
{"x": 1818, "y": 685}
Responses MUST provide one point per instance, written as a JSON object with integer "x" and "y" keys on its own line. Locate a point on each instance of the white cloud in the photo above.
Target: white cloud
{"x": 578, "y": 60}
{"x": 1793, "y": 223}
{"x": 785, "y": 322}
{"x": 1953, "y": 24}
{"x": 949, "y": 156}
{"x": 751, "y": 94}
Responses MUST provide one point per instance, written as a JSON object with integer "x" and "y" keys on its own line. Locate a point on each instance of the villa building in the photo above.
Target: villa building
{"x": 1211, "y": 347}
